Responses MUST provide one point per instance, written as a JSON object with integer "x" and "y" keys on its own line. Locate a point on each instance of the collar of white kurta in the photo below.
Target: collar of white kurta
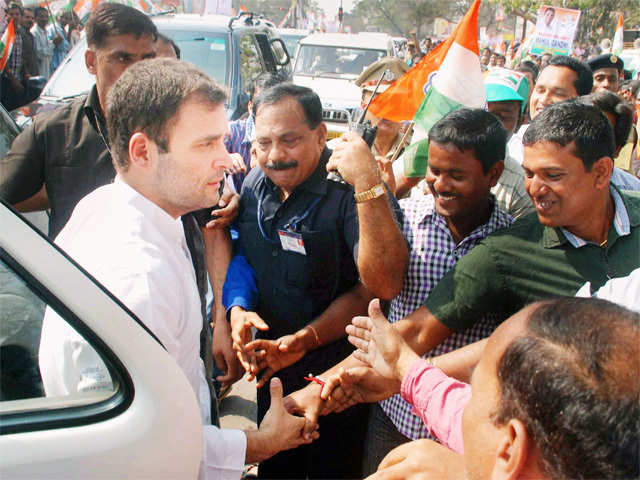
{"x": 169, "y": 227}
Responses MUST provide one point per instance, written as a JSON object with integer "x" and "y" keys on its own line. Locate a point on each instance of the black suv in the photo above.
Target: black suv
{"x": 233, "y": 51}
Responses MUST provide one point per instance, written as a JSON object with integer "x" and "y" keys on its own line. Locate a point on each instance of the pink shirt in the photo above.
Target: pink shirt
{"x": 439, "y": 400}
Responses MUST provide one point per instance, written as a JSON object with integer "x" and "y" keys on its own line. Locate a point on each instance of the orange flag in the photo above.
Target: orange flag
{"x": 402, "y": 99}
{"x": 6, "y": 44}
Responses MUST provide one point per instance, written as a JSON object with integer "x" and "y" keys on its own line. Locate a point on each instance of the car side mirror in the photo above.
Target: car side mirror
{"x": 37, "y": 82}
{"x": 280, "y": 52}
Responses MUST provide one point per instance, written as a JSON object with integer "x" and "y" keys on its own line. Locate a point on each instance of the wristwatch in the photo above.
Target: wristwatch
{"x": 374, "y": 192}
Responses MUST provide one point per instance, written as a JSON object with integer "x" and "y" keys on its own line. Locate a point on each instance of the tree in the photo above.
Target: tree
{"x": 598, "y": 18}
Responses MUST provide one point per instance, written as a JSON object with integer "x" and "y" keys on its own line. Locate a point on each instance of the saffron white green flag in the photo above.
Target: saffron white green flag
{"x": 6, "y": 44}
{"x": 618, "y": 44}
{"x": 457, "y": 83}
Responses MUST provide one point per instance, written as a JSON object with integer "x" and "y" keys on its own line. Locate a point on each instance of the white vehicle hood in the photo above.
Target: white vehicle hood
{"x": 333, "y": 92}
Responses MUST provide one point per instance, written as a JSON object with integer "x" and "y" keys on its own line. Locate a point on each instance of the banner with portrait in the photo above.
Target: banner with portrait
{"x": 555, "y": 30}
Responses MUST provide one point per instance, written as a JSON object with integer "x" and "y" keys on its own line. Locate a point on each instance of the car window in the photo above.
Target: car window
{"x": 206, "y": 50}
{"x": 250, "y": 64}
{"x": 37, "y": 344}
{"x": 291, "y": 41}
{"x": 334, "y": 61}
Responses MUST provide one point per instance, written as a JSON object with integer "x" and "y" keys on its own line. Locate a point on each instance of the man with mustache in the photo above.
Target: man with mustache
{"x": 318, "y": 247}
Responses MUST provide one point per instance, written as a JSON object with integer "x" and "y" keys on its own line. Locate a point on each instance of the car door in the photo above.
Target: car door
{"x": 146, "y": 425}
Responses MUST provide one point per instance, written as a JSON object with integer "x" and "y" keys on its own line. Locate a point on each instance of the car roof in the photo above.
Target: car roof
{"x": 293, "y": 31}
{"x": 206, "y": 22}
{"x": 361, "y": 40}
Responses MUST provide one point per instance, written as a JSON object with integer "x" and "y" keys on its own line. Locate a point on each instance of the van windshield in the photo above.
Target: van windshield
{"x": 338, "y": 62}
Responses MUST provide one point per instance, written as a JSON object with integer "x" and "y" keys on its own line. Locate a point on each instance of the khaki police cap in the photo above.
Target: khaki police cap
{"x": 394, "y": 66}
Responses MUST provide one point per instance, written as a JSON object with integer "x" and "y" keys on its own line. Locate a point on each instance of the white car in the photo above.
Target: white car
{"x": 328, "y": 63}
{"x": 148, "y": 426}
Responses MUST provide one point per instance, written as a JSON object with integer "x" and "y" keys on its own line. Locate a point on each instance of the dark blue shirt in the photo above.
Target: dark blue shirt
{"x": 294, "y": 288}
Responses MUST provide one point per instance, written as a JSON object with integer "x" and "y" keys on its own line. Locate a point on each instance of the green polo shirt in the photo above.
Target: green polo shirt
{"x": 528, "y": 262}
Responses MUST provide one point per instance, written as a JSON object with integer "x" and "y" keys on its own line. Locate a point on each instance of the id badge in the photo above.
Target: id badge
{"x": 291, "y": 242}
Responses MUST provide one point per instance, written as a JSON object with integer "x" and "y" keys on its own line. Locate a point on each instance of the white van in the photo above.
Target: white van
{"x": 329, "y": 63}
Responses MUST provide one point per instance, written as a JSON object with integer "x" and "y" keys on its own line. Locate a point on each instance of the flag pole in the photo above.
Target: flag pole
{"x": 403, "y": 142}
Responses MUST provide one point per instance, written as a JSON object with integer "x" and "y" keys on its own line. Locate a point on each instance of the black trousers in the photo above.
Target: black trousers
{"x": 339, "y": 451}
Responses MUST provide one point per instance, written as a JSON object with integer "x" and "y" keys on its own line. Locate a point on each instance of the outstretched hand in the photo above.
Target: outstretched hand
{"x": 420, "y": 460}
{"x": 273, "y": 355}
{"x": 279, "y": 429}
{"x": 356, "y": 385}
{"x": 241, "y": 335}
{"x": 229, "y": 206}
{"x": 379, "y": 345}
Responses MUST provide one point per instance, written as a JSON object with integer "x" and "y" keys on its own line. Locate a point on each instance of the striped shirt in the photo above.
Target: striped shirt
{"x": 621, "y": 221}
{"x": 241, "y": 134}
{"x": 433, "y": 252}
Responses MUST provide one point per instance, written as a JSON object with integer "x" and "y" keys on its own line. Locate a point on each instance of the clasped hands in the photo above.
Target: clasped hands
{"x": 371, "y": 374}
{"x": 262, "y": 358}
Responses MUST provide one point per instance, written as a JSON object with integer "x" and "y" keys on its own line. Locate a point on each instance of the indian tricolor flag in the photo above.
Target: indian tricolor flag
{"x": 83, "y": 8}
{"x": 6, "y": 44}
{"x": 618, "y": 43}
{"x": 457, "y": 83}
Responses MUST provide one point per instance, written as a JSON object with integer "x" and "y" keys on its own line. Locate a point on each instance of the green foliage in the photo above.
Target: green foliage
{"x": 598, "y": 19}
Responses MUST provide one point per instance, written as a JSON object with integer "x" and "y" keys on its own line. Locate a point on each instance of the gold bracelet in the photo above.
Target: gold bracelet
{"x": 429, "y": 361}
{"x": 315, "y": 334}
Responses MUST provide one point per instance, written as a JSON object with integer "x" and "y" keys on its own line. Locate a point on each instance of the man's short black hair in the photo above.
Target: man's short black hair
{"x": 148, "y": 96}
{"x": 13, "y": 5}
{"x": 472, "y": 129}
{"x": 109, "y": 19}
{"x": 307, "y": 98}
{"x": 37, "y": 10}
{"x": 584, "y": 83}
{"x": 611, "y": 103}
{"x": 572, "y": 378}
{"x": 573, "y": 121}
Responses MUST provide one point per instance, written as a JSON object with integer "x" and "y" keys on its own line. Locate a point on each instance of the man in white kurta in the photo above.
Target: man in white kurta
{"x": 129, "y": 236}
{"x": 139, "y": 253}
{"x": 43, "y": 45}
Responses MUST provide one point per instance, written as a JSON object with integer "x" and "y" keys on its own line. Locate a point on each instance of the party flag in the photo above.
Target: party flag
{"x": 6, "y": 44}
{"x": 618, "y": 44}
{"x": 457, "y": 83}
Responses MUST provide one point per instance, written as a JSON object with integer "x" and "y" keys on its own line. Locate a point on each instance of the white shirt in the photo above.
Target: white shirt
{"x": 624, "y": 291}
{"x": 44, "y": 50}
{"x": 139, "y": 253}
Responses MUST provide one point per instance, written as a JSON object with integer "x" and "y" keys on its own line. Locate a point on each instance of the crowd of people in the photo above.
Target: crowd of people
{"x": 467, "y": 351}
{"x": 40, "y": 45}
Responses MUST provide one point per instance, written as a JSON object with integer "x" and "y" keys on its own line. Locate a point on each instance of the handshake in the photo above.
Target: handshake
{"x": 373, "y": 373}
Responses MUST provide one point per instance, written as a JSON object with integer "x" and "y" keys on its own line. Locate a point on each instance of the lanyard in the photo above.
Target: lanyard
{"x": 291, "y": 226}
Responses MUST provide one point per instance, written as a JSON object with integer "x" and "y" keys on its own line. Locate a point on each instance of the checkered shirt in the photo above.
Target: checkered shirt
{"x": 433, "y": 252}
{"x": 14, "y": 63}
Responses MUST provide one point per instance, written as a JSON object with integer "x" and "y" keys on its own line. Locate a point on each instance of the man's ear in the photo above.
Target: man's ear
{"x": 322, "y": 134}
{"x": 494, "y": 173}
{"x": 603, "y": 167}
{"x": 90, "y": 60}
{"x": 512, "y": 452}
{"x": 140, "y": 150}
